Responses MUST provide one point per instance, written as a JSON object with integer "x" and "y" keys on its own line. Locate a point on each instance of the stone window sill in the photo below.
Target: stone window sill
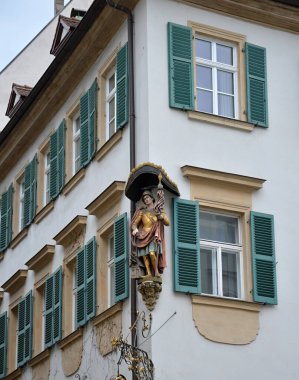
{"x": 19, "y": 237}
{"x": 68, "y": 187}
{"x": 225, "y": 320}
{"x": 71, "y": 338}
{"x": 40, "y": 358}
{"x": 221, "y": 121}
{"x": 104, "y": 149}
{"x": 44, "y": 212}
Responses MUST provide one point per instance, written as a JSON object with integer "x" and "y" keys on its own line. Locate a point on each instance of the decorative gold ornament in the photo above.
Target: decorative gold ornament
{"x": 150, "y": 289}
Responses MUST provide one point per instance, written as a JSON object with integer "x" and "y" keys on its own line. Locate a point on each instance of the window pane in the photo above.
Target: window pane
{"x": 111, "y": 248}
{"x": 204, "y": 101}
{"x": 220, "y": 228}
{"x": 204, "y": 77}
{"x": 77, "y": 124}
{"x": 112, "y": 285}
{"x": 208, "y": 268}
{"x": 230, "y": 274}
{"x": 203, "y": 49}
{"x": 111, "y": 128}
{"x": 225, "y": 82}
{"x": 224, "y": 54}
{"x": 111, "y": 82}
{"x": 226, "y": 105}
{"x": 111, "y": 109}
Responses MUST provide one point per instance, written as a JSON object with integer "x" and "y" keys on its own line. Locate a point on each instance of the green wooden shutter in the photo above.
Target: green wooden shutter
{"x": 30, "y": 192}
{"x": 6, "y": 218}
{"x": 84, "y": 130}
{"x": 122, "y": 87}
{"x": 54, "y": 165}
{"x": 48, "y": 312}
{"x": 180, "y": 67}
{"x": 80, "y": 288}
{"x": 186, "y": 246}
{"x": 57, "y": 305}
{"x": 92, "y": 116}
{"x": 27, "y": 196}
{"x": 263, "y": 258}
{"x": 21, "y": 333}
{"x": 61, "y": 155}
{"x": 24, "y": 334}
{"x": 256, "y": 77}
{"x": 90, "y": 279}
{"x": 3, "y": 345}
{"x": 120, "y": 232}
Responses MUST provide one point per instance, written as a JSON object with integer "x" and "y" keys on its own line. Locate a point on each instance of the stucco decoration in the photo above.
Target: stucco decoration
{"x": 41, "y": 371}
{"x": 226, "y": 321}
{"x": 150, "y": 291}
{"x": 76, "y": 243}
{"x": 71, "y": 354}
{"x": 106, "y": 329}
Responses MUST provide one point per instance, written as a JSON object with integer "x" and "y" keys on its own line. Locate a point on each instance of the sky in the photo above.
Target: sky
{"x": 20, "y": 22}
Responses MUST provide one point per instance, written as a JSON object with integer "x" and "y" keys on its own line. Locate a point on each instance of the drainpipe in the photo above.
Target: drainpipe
{"x": 132, "y": 146}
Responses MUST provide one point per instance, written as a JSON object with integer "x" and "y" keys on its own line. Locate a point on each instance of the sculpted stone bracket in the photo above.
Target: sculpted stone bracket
{"x": 150, "y": 290}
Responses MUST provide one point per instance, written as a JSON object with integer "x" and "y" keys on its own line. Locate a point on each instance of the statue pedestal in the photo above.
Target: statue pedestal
{"x": 150, "y": 289}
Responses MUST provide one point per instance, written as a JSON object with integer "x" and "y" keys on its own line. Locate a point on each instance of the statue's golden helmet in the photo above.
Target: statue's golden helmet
{"x": 149, "y": 193}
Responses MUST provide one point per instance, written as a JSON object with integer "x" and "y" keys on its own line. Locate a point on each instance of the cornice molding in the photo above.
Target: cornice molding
{"x": 196, "y": 173}
{"x": 42, "y": 258}
{"x": 267, "y": 12}
{"x": 15, "y": 281}
{"x": 76, "y": 226}
{"x": 110, "y": 196}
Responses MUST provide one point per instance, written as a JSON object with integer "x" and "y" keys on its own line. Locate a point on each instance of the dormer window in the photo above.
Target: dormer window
{"x": 65, "y": 27}
{"x": 17, "y": 96}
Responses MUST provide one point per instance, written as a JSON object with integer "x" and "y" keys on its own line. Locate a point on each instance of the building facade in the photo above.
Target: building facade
{"x": 214, "y": 108}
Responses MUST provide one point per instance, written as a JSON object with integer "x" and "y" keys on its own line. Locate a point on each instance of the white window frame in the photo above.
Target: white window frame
{"x": 109, "y": 96}
{"x": 76, "y": 138}
{"x": 214, "y": 65}
{"x": 110, "y": 269}
{"x": 219, "y": 247}
{"x": 21, "y": 203}
{"x": 47, "y": 165}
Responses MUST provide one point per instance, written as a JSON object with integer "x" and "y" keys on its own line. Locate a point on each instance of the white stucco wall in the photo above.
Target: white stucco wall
{"x": 174, "y": 141}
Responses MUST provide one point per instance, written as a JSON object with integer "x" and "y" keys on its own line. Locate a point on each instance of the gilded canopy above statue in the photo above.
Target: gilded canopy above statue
{"x": 146, "y": 176}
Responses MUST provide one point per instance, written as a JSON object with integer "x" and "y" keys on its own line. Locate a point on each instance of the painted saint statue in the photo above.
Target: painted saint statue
{"x": 148, "y": 233}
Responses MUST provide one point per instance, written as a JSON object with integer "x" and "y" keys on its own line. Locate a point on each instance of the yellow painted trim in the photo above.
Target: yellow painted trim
{"x": 68, "y": 187}
{"x": 69, "y": 339}
{"x": 42, "y": 258}
{"x": 19, "y": 237}
{"x": 44, "y": 212}
{"x": 108, "y": 314}
{"x": 105, "y": 148}
{"x": 42, "y": 150}
{"x": 16, "y": 202}
{"x": 109, "y": 197}
{"x": 251, "y": 183}
{"x": 15, "y": 281}
{"x": 1, "y": 296}
{"x": 221, "y": 121}
{"x": 42, "y": 356}
{"x": 75, "y": 226}
{"x": 225, "y": 320}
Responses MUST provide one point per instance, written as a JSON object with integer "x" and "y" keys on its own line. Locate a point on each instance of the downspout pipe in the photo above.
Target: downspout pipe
{"x": 132, "y": 146}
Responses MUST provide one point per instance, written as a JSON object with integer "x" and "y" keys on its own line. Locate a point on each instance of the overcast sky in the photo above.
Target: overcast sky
{"x": 20, "y": 21}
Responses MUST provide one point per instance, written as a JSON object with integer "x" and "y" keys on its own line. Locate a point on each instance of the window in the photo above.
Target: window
{"x": 21, "y": 204}
{"x": 216, "y": 77}
{"x": 221, "y": 246}
{"x": 111, "y": 274}
{"x": 76, "y": 143}
{"x": 220, "y": 254}
{"x": 47, "y": 161}
{"x": 208, "y": 64}
{"x": 110, "y": 104}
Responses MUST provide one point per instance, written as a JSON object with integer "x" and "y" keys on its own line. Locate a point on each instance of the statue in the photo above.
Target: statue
{"x": 148, "y": 233}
